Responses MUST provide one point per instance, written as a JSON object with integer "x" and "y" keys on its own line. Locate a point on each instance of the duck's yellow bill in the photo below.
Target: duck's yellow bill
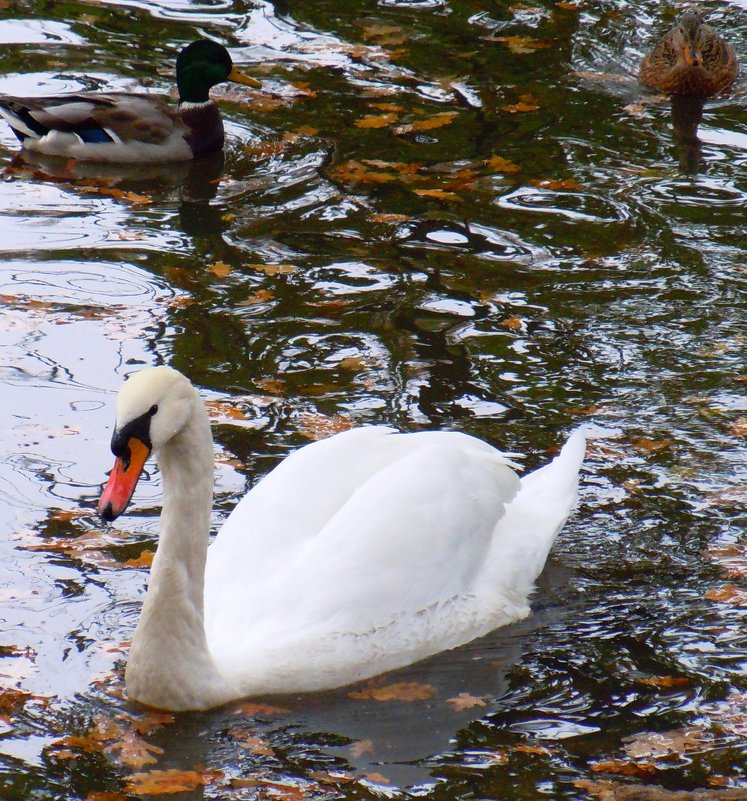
{"x": 237, "y": 76}
{"x": 123, "y": 480}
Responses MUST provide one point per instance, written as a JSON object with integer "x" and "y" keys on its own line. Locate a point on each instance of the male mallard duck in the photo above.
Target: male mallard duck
{"x": 692, "y": 59}
{"x": 120, "y": 127}
{"x": 358, "y": 554}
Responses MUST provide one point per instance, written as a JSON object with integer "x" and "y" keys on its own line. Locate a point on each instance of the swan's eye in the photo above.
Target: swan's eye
{"x": 153, "y": 409}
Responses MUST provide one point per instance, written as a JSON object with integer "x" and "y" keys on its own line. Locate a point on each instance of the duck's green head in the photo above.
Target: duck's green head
{"x": 203, "y": 64}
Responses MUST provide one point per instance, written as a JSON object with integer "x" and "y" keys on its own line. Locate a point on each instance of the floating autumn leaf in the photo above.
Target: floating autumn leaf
{"x": 319, "y": 426}
{"x": 361, "y": 748}
{"x": 275, "y": 386}
{"x": 439, "y": 194}
{"x": 513, "y": 323}
{"x": 657, "y": 745}
{"x": 522, "y": 748}
{"x": 387, "y": 218}
{"x": 499, "y": 164}
{"x": 402, "y": 691}
{"x": 352, "y": 363}
{"x": 220, "y": 410}
{"x": 739, "y": 427}
{"x": 376, "y": 778}
{"x": 624, "y": 767}
{"x": 376, "y": 121}
{"x": 731, "y": 558}
{"x": 520, "y": 107}
{"x": 144, "y": 560}
{"x": 564, "y": 185}
{"x": 393, "y": 107}
{"x": 384, "y": 34}
{"x": 251, "y": 741}
{"x": 254, "y": 709}
{"x": 150, "y": 721}
{"x": 427, "y": 123}
{"x": 354, "y": 172}
{"x": 260, "y": 296}
{"x": 728, "y": 594}
{"x": 521, "y": 44}
{"x": 105, "y": 795}
{"x": 119, "y": 194}
{"x": 466, "y": 701}
{"x": 165, "y": 782}
{"x": 303, "y": 88}
{"x": 644, "y": 445}
{"x": 12, "y": 700}
{"x": 278, "y": 790}
{"x": 221, "y": 269}
{"x": 274, "y": 269}
{"x": 665, "y": 682}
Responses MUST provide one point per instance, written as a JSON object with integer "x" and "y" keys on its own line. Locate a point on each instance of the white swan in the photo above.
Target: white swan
{"x": 358, "y": 554}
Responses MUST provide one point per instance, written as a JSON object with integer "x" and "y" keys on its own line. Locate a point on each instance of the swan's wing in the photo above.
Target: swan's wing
{"x": 413, "y": 534}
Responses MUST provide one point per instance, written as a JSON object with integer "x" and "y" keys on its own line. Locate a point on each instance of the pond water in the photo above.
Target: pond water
{"x": 455, "y": 214}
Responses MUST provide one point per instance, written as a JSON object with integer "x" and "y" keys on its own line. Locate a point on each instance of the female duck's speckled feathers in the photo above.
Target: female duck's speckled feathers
{"x": 358, "y": 554}
{"x": 123, "y": 127}
{"x": 691, "y": 59}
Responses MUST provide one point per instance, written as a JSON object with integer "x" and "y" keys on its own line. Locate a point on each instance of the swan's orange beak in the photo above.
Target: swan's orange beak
{"x": 237, "y": 76}
{"x": 123, "y": 479}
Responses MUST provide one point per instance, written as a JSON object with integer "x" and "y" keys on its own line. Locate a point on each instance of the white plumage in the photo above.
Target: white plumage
{"x": 358, "y": 554}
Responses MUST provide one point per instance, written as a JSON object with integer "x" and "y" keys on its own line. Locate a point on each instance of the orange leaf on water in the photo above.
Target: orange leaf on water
{"x": 254, "y": 708}
{"x": 319, "y": 426}
{"x": 376, "y": 121}
{"x": 251, "y": 741}
{"x": 360, "y": 748}
{"x": 645, "y": 445}
{"x": 144, "y": 560}
{"x": 402, "y": 691}
{"x": 499, "y": 164}
{"x": 260, "y": 296}
{"x": 165, "y": 782}
{"x": 728, "y": 594}
{"x": 739, "y": 427}
{"x": 466, "y": 701}
{"x": 513, "y": 323}
{"x": 665, "y": 682}
{"x": 428, "y": 123}
{"x": 274, "y": 269}
{"x": 439, "y": 194}
{"x": 566, "y": 185}
{"x": 624, "y": 767}
{"x": 521, "y": 44}
{"x": 221, "y": 269}
{"x": 520, "y": 107}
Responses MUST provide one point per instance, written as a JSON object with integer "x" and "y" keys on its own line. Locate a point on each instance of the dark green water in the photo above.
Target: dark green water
{"x": 594, "y": 272}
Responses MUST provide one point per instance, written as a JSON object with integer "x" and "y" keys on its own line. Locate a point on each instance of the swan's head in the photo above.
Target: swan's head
{"x": 152, "y": 407}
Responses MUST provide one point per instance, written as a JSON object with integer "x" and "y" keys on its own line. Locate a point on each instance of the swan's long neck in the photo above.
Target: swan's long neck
{"x": 170, "y": 665}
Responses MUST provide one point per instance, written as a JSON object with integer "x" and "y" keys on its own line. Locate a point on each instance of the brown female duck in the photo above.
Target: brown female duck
{"x": 691, "y": 59}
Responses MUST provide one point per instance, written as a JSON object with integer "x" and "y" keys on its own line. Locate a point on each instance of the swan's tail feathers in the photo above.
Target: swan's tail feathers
{"x": 525, "y": 534}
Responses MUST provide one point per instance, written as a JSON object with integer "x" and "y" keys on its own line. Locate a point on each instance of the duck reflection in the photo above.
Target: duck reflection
{"x": 196, "y": 181}
{"x": 686, "y": 115}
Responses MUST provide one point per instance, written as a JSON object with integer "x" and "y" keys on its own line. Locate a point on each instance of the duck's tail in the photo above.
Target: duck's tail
{"x": 525, "y": 534}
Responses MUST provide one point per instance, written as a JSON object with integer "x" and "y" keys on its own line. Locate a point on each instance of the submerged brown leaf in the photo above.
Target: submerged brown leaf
{"x": 728, "y": 594}
{"x": 165, "y": 782}
{"x": 403, "y": 691}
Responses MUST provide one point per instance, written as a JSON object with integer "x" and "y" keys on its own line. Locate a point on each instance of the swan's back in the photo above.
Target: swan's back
{"x": 367, "y": 551}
